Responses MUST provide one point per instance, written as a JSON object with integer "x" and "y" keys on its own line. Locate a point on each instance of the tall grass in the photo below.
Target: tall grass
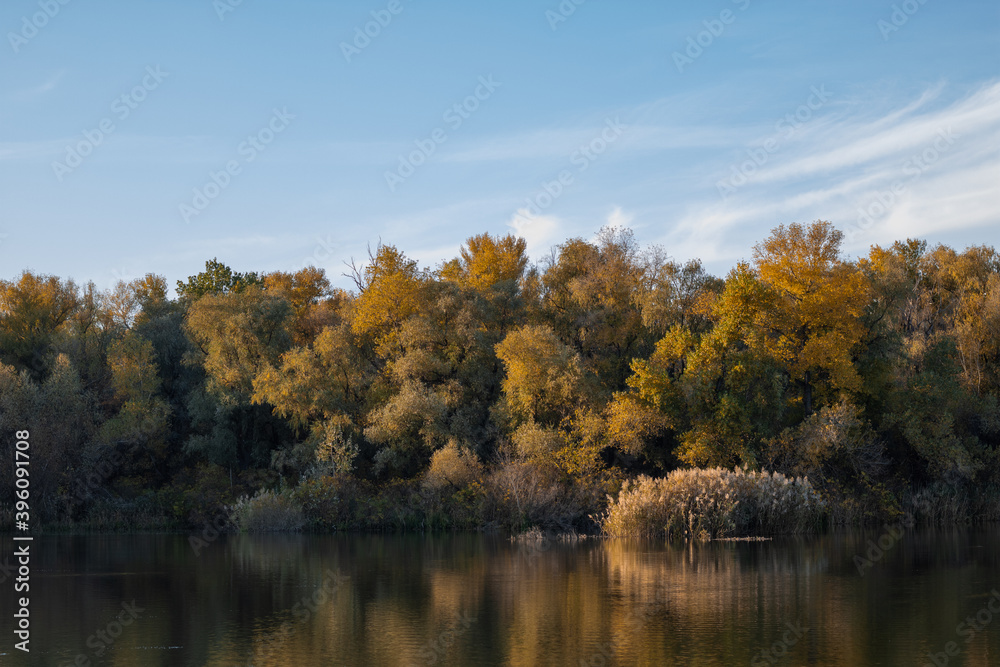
{"x": 267, "y": 512}
{"x": 712, "y": 503}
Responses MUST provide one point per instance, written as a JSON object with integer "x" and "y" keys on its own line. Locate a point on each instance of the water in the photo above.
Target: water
{"x": 476, "y": 600}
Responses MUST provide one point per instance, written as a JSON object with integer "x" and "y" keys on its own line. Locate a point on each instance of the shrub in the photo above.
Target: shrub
{"x": 521, "y": 494}
{"x": 835, "y": 442}
{"x": 267, "y": 512}
{"x": 711, "y": 503}
{"x": 343, "y": 502}
{"x": 452, "y": 469}
{"x": 330, "y": 502}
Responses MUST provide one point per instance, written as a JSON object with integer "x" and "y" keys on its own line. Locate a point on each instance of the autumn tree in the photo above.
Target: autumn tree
{"x": 485, "y": 261}
{"x": 390, "y": 289}
{"x": 677, "y": 294}
{"x": 237, "y": 335}
{"x": 496, "y": 269}
{"x": 544, "y": 378}
{"x": 815, "y": 326}
{"x": 591, "y": 299}
{"x": 720, "y": 393}
{"x": 930, "y": 387}
{"x": 32, "y": 310}
{"x": 322, "y": 389}
{"x": 142, "y": 423}
{"x": 314, "y": 302}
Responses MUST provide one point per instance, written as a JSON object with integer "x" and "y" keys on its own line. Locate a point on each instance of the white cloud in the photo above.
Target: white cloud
{"x": 619, "y": 218}
{"x": 540, "y": 232}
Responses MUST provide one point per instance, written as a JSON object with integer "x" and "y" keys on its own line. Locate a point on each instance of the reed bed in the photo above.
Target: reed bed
{"x": 713, "y": 503}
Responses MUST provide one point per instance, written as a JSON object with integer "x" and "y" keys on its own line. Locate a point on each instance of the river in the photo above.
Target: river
{"x": 923, "y": 597}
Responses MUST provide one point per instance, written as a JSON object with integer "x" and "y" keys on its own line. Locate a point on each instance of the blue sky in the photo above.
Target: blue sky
{"x": 699, "y": 125}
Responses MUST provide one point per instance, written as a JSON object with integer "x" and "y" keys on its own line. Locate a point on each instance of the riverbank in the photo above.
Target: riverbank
{"x": 686, "y": 504}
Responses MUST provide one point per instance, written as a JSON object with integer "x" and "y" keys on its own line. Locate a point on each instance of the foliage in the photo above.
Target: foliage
{"x": 452, "y": 468}
{"x": 217, "y": 278}
{"x": 33, "y": 310}
{"x": 494, "y": 391}
{"x": 814, "y": 323}
{"x": 544, "y": 379}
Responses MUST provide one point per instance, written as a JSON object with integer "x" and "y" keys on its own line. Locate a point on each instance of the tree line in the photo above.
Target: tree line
{"x": 874, "y": 377}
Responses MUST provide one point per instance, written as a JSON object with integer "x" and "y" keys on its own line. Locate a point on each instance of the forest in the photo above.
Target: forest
{"x": 493, "y": 392}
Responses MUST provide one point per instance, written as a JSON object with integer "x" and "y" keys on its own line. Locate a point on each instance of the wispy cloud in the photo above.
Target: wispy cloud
{"x": 925, "y": 166}
{"x": 31, "y": 94}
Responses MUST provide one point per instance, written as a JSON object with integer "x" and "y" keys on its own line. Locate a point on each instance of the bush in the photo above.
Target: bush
{"x": 835, "y": 442}
{"x": 452, "y": 469}
{"x": 518, "y": 495}
{"x": 343, "y": 502}
{"x": 713, "y": 503}
{"x": 267, "y": 512}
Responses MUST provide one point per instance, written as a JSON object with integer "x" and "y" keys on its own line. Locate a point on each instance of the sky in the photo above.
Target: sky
{"x": 142, "y": 136}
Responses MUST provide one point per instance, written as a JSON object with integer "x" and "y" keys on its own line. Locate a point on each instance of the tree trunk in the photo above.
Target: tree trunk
{"x": 808, "y": 393}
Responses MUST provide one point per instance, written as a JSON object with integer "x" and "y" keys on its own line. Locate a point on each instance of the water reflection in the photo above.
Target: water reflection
{"x": 475, "y": 600}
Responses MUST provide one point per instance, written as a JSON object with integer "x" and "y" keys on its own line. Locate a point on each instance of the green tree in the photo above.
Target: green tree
{"x": 217, "y": 278}
{"x": 60, "y": 416}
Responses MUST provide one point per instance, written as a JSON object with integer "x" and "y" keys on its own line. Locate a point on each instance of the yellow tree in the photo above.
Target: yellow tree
{"x": 486, "y": 261}
{"x": 313, "y": 301}
{"x": 391, "y": 289}
{"x": 32, "y": 311}
{"x": 545, "y": 378}
{"x": 143, "y": 420}
{"x": 816, "y": 323}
